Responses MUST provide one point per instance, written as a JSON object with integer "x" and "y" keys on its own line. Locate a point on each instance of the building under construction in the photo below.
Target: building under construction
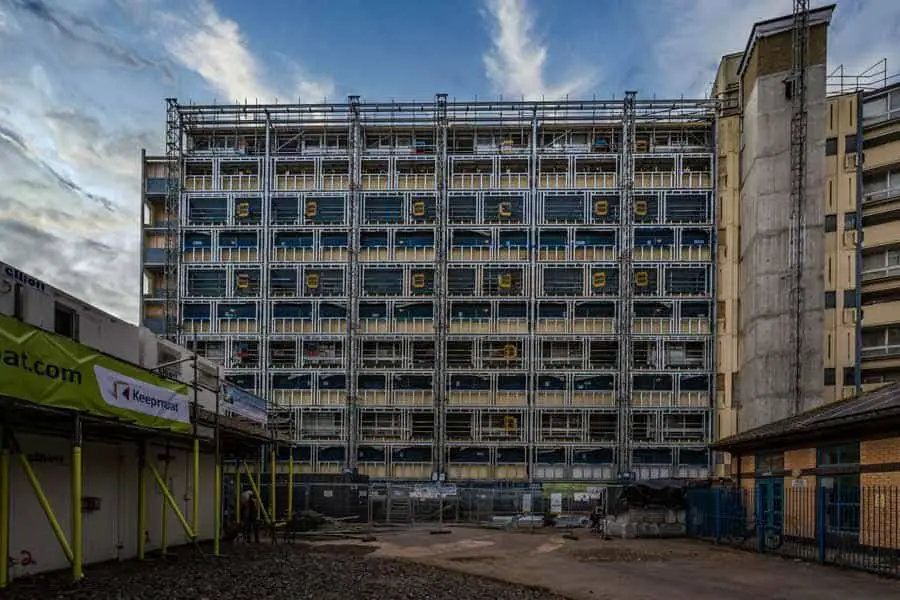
{"x": 468, "y": 290}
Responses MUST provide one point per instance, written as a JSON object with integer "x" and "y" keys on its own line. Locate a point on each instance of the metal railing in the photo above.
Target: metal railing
{"x": 824, "y": 521}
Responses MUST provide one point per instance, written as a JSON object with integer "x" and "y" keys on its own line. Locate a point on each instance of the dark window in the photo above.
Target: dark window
{"x": 65, "y": 322}
{"x": 770, "y": 462}
{"x": 830, "y": 376}
{"x": 850, "y": 144}
{"x": 831, "y": 146}
{"x": 830, "y": 299}
{"x": 850, "y": 298}
{"x": 849, "y": 376}
{"x": 842, "y": 504}
{"x": 838, "y": 455}
{"x": 830, "y": 223}
{"x": 19, "y": 301}
{"x": 850, "y": 220}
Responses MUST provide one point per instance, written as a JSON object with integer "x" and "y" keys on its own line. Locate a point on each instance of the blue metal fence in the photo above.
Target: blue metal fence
{"x": 822, "y": 521}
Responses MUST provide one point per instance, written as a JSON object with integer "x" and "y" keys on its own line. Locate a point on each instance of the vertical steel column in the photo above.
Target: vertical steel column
{"x": 4, "y": 507}
{"x": 77, "y": 529}
{"x": 625, "y": 319}
{"x": 441, "y": 307}
{"x": 142, "y": 501}
{"x": 195, "y": 472}
{"x": 530, "y": 418}
{"x": 355, "y": 150}
{"x": 217, "y": 484}
{"x": 164, "y": 520}
{"x": 174, "y": 134}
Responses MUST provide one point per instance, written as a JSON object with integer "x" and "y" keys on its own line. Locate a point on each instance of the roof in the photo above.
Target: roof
{"x": 769, "y": 27}
{"x": 881, "y": 406}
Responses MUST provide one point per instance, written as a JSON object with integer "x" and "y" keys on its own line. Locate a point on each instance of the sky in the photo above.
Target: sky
{"x": 83, "y": 82}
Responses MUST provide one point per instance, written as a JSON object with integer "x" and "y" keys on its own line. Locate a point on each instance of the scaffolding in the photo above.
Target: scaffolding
{"x": 466, "y": 290}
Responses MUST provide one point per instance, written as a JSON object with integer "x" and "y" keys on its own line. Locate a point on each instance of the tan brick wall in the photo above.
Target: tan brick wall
{"x": 880, "y": 504}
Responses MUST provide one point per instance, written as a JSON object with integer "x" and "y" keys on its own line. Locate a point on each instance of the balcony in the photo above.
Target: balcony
{"x": 239, "y": 183}
{"x": 595, "y": 180}
{"x": 199, "y": 183}
{"x": 471, "y": 181}
{"x": 291, "y": 183}
{"x": 416, "y": 181}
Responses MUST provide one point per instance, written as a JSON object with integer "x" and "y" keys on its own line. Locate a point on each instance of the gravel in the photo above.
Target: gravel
{"x": 263, "y": 572}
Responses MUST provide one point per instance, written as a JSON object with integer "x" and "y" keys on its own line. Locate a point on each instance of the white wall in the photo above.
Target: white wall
{"x": 110, "y": 472}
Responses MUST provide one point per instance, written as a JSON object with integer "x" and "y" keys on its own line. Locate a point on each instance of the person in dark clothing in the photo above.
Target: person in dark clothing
{"x": 251, "y": 520}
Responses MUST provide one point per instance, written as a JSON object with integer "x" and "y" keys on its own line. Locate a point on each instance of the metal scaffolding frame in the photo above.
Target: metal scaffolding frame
{"x": 514, "y": 290}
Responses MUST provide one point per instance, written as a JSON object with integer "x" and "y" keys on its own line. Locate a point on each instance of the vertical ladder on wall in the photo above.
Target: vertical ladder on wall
{"x": 796, "y": 86}
{"x": 174, "y": 135}
{"x": 441, "y": 308}
{"x": 625, "y": 320}
{"x": 350, "y": 351}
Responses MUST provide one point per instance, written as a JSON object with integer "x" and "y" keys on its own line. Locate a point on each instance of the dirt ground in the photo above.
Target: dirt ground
{"x": 590, "y": 568}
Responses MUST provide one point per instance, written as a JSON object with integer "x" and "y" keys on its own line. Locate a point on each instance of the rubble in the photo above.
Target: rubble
{"x": 263, "y": 572}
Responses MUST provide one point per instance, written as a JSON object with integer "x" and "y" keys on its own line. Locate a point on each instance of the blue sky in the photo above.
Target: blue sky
{"x": 82, "y": 85}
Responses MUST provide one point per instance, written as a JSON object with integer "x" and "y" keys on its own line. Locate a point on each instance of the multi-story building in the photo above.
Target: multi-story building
{"x": 481, "y": 291}
{"x": 862, "y": 224}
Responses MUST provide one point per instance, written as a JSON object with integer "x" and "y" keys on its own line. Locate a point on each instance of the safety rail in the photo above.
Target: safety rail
{"x": 513, "y": 181}
{"x": 199, "y": 183}
{"x": 553, "y": 180}
{"x": 416, "y": 181}
{"x": 378, "y": 181}
{"x": 471, "y": 181}
{"x": 335, "y": 182}
{"x": 654, "y": 179}
{"x": 239, "y": 183}
{"x": 595, "y": 180}
{"x": 291, "y": 183}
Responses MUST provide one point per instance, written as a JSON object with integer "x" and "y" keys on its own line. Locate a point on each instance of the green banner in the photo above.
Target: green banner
{"x": 51, "y": 370}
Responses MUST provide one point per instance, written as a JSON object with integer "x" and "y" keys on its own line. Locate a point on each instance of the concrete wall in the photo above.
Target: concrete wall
{"x": 764, "y": 382}
{"x": 110, "y": 472}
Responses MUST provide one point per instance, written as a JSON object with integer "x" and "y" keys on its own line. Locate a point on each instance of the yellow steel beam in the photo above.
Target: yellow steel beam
{"x": 164, "y": 515}
{"x": 77, "y": 530}
{"x": 171, "y": 501}
{"x": 4, "y": 518}
{"x": 195, "y": 496}
{"x": 142, "y": 508}
{"x": 45, "y": 504}
{"x": 253, "y": 485}
{"x": 217, "y": 507}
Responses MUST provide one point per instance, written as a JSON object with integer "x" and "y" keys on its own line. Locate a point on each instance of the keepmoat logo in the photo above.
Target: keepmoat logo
{"x": 124, "y": 391}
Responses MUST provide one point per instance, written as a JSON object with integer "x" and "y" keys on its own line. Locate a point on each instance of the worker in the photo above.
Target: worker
{"x": 251, "y": 517}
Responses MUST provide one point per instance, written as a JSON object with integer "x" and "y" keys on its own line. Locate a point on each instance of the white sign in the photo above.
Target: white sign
{"x": 142, "y": 397}
{"x": 556, "y": 503}
{"x": 798, "y": 484}
{"x": 526, "y": 503}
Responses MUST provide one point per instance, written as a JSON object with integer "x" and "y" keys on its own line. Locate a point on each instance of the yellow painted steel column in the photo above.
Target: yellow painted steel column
{"x": 195, "y": 508}
{"x": 77, "y": 515}
{"x": 4, "y": 518}
{"x": 290, "y": 482}
{"x": 164, "y": 537}
{"x": 142, "y": 504}
{"x": 274, "y": 485}
{"x": 217, "y": 507}
{"x": 45, "y": 504}
{"x": 170, "y": 500}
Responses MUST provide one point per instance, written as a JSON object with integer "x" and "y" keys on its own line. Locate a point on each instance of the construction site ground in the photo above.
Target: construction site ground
{"x": 590, "y": 568}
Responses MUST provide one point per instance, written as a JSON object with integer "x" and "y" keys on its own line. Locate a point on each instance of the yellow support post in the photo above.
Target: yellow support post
{"x": 164, "y": 516}
{"x": 217, "y": 507}
{"x": 77, "y": 529}
{"x": 142, "y": 504}
{"x": 167, "y": 495}
{"x": 195, "y": 496}
{"x": 4, "y": 517}
{"x": 273, "y": 484}
{"x": 290, "y": 489}
{"x": 45, "y": 504}
{"x": 255, "y": 488}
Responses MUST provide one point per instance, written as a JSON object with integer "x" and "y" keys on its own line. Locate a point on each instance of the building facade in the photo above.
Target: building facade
{"x": 474, "y": 291}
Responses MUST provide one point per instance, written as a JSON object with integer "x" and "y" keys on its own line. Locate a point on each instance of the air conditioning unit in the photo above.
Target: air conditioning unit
{"x": 848, "y": 316}
{"x": 851, "y": 161}
{"x": 851, "y": 238}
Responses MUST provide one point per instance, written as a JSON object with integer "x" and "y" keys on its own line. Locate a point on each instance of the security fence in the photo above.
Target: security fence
{"x": 849, "y": 526}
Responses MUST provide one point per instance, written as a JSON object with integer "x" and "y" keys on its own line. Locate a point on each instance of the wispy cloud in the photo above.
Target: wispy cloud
{"x": 83, "y": 96}
{"x": 204, "y": 42}
{"x": 516, "y": 61}
{"x": 694, "y": 34}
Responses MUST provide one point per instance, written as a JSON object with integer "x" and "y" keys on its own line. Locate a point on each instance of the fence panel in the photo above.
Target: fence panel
{"x": 848, "y": 526}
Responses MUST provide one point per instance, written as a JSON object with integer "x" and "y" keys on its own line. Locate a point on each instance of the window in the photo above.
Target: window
{"x": 850, "y": 220}
{"x": 882, "y": 109}
{"x": 881, "y": 263}
{"x": 842, "y": 502}
{"x": 830, "y": 299}
{"x": 849, "y": 376}
{"x": 850, "y": 298}
{"x": 830, "y": 376}
{"x": 831, "y": 146}
{"x": 770, "y": 462}
{"x": 830, "y": 223}
{"x": 838, "y": 455}
{"x": 65, "y": 321}
{"x": 850, "y": 143}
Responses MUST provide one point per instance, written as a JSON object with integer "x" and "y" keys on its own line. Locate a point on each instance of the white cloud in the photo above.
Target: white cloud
{"x": 515, "y": 63}
{"x": 695, "y": 34}
{"x": 214, "y": 48}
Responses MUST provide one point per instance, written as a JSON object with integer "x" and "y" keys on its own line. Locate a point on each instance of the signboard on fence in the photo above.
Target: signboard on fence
{"x": 244, "y": 404}
{"x": 432, "y": 492}
{"x": 51, "y": 370}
